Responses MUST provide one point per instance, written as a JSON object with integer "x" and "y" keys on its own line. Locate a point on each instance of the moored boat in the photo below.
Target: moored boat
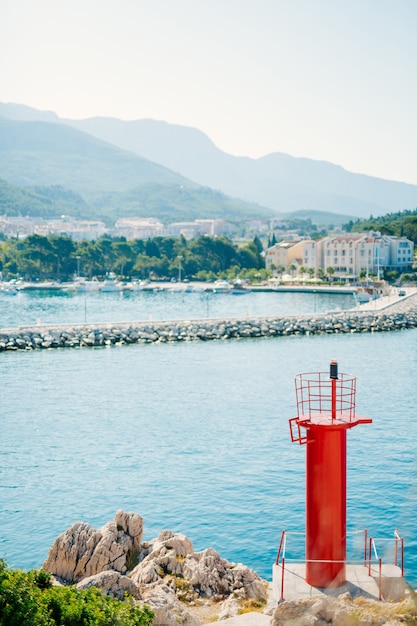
{"x": 82, "y": 284}
{"x": 371, "y": 290}
{"x": 110, "y": 284}
{"x": 222, "y": 286}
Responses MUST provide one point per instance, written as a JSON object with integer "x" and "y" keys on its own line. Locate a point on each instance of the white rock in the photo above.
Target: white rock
{"x": 112, "y": 584}
{"x": 82, "y": 551}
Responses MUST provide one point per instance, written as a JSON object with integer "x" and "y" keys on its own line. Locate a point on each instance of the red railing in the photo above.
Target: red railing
{"x": 370, "y": 557}
{"x": 398, "y": 547}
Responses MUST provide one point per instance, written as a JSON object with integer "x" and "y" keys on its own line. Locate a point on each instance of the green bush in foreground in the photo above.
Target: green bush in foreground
{"x": 29, "y": 599}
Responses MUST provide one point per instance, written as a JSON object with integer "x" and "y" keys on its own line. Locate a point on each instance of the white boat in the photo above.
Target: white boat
{"x": 371, "y": 291}
{"x": 110, "y": 284}
{"x": 82, "y": 284}
{"x": 239, "y": 288}
{"x": 222, "y": 286}
{"x": 9, "y": 289}
{"x": 136, "y": 285}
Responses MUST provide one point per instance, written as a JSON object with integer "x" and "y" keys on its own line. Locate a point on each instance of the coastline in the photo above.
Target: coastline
{"x": 388, "y": 313}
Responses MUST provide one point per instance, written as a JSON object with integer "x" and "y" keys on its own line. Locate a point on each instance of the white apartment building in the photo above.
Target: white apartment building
{"x": 78, "y": 230}
{"x": 351, "y": 253}
{"x": 139, "y": 228}
{"x": 348, "y": 254}
{"x": 211, "y": 227}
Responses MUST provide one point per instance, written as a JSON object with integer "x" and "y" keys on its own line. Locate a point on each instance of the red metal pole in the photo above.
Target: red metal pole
{"x": 326, "y": 506}
{"x": 280, "y": 546}
{"x": 365, "y": 545}
{"x": 402, "y": 556}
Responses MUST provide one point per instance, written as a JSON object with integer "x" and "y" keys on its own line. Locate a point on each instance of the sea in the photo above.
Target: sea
{"x": 194, "y": 436}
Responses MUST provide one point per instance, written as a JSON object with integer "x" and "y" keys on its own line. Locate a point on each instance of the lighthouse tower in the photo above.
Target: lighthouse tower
{"x": 326, "y": 404}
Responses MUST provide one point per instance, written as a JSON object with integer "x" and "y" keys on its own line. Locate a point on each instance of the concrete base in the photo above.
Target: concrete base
{"x": 358, "y": 583}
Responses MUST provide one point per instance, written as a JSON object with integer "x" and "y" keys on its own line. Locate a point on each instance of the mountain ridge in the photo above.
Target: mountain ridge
{"x": 277, "y": 183}
{"x": 277, "y": 180}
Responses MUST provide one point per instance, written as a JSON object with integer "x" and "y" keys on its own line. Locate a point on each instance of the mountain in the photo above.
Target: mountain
{"x": 42, "y": 153}
{"x": 278, "y": 181}
{"x": 109, "y": 182}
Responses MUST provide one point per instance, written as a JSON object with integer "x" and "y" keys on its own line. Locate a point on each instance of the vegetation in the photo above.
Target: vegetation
{"x": 58, "y": 258}
{"x": 401, "y": 224}
{"x": 29, "y": 599}
{"x": 167, "y": 202}
{"x": 48, "y": 202}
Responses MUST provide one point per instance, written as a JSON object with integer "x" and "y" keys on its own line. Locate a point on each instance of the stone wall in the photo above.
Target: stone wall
{"x": 398, "y": 317}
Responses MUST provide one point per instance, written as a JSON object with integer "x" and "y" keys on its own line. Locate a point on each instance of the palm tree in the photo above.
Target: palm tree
{"x": 330, "y": 272}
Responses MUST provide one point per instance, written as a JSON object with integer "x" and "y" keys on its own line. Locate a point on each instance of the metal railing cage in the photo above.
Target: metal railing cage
{"x": 317, "y": 393}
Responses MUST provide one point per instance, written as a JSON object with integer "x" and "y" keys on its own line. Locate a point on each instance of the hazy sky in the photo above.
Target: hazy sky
{"x": 334, "y": 80}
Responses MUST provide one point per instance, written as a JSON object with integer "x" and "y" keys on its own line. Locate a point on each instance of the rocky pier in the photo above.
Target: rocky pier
{"x": 398, "y": 316}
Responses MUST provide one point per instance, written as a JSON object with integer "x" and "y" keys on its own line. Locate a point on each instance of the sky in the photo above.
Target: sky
{"x": 332, "y": 80}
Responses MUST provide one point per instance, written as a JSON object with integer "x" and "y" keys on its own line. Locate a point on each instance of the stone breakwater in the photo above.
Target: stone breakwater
{"x": 399, "y": 316}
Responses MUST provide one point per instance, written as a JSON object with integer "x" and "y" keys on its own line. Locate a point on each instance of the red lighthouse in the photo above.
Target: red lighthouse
{"x": 326, "y": 404}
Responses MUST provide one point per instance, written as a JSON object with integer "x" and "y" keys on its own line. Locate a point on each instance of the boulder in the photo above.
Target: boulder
{"x": 168, "y": 610}
{"x": 81, "y": 551}
{"x": 196, "y": 574}
{"x": 162, "y": 556}
{"x": 112, "y": 584}
{"x": 342, "y": 610}
{"x": 217, "y": 578}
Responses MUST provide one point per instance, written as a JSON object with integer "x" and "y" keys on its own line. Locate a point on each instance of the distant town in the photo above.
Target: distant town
{"x": 278, "y": 251}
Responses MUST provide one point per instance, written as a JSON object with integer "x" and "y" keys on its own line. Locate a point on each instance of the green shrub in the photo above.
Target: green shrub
{"x": 29, "y": 599}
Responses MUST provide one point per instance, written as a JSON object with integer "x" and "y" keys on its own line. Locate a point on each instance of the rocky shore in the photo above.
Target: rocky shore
{"x": 398, "y": 316}
{"x": 181, "y": 586}
{"x": 188, "y": 588}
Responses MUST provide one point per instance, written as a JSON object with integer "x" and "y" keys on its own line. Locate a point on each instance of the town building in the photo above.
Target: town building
{"x": 139, "y": 228}
{"x": 348, "y": 254}
{"x": 286, "y": 255}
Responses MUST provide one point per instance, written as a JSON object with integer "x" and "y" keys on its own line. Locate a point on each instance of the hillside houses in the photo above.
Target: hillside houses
{"x": 348, "y": 254}
{"x": 128, "y": 227}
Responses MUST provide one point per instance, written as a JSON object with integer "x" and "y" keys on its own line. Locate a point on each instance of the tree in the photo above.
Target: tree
{"x": 330, "y": 272}
{"x": 123, "y": 254}
{"x": 250, "y": 256}
{"x": 106, "y": 257}
{"x": 89, "y": 256}
{"x": 258, "y": 244}
{"x": 272, "y": 241}
{"x": 62, "y": 249}
{"x": 37, "y": 257}
{"x": 152, "y": 248}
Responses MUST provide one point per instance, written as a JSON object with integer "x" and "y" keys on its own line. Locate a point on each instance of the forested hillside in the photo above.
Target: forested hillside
{"x": 401, "y": 224}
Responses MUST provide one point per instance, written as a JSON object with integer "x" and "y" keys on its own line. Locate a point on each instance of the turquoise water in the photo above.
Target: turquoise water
{"x": 194, "y": 437}
{"x": 54, "y": 307}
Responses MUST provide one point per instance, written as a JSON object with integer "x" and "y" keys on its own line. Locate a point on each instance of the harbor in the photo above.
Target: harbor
{"x": 388, "y": 313}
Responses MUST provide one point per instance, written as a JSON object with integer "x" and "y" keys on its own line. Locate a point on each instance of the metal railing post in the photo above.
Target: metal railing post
{"x": 280, "y": 547}
{"x": 402, "y": 557}
{"x": 380, "y": 579}
{"x": 365, "y": 545}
